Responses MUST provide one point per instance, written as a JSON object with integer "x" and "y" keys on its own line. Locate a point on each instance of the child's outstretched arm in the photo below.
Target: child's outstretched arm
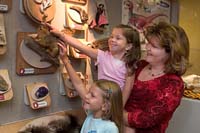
{"x": 67, "y": 39}
{"x": 75, "y": 79}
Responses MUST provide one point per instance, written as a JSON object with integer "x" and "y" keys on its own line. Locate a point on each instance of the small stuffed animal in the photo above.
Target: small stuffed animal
{"x": 53, "y": 124}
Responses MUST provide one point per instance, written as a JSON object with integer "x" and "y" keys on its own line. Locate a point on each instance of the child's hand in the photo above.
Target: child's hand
{"x": 63, "y": 50}
{"x": 53, "y": 30}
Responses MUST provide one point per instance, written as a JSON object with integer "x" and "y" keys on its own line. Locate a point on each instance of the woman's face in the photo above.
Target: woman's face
{"x": 155, "y": 53}
{"x": 94, "y": 100}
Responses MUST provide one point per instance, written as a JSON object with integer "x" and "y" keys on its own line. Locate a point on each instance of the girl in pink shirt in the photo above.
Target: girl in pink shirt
{"x": 119, "y": 62}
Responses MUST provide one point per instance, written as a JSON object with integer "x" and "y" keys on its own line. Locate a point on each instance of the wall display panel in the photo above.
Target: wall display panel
{"x": 76, "y": 16}
{"x": 142, "y": 13}
{"x": 15, "y": 109}
{"x": 17, "y": 21}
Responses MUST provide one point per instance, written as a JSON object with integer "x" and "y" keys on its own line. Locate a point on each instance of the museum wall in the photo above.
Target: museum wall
{"x": 16, "y": 109}
{"x": 189, "y": 19}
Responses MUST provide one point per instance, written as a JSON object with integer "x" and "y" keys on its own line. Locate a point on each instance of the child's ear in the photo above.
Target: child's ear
{"x": 105, "y": 106}
{"x": 129, "y": 46}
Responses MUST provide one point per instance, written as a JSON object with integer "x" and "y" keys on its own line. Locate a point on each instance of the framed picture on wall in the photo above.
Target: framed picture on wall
{"x": 141, "y": 13}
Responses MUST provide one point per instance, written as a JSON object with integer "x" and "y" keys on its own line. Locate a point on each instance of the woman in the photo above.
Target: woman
{"x": 158, "y": 88}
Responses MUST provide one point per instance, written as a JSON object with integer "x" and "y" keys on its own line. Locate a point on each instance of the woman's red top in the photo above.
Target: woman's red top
{"x": 152, "y": 103}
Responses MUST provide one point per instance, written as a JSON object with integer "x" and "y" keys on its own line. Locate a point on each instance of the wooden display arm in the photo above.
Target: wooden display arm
{"x": 41, "y": 51}
{"x": 83, "y": 2}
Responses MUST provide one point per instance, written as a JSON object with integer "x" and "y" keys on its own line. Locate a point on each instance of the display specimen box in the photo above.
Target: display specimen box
{"x": 33, "y": 101}
{"x": 27, "y": 61}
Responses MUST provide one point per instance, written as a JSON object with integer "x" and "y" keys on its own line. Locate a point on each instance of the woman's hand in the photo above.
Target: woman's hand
{"x": 127, "y": 128}
{"x": 125, "y": 117}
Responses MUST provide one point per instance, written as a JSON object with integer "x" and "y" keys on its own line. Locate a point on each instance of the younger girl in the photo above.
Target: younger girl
{"x": 119, "y": 60}
{"x": 102, "y": 102}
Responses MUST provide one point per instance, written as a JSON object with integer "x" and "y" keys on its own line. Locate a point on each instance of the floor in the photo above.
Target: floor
{"x": 14, "y": 127}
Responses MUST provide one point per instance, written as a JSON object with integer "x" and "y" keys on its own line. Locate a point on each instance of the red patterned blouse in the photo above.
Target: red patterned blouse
{"x": 152, "y": 103}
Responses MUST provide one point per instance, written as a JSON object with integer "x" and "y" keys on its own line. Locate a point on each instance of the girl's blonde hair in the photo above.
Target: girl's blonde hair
{"x": 133, "y": 54}
{"x": 171, "y": 39}
{"x": 113, "y": 98}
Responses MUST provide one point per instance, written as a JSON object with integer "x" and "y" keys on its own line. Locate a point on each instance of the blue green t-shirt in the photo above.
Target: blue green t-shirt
{"x": 93, "y": 125}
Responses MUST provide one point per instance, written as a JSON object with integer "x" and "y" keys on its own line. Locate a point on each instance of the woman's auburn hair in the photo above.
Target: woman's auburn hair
{"x": 171, "y": 40}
